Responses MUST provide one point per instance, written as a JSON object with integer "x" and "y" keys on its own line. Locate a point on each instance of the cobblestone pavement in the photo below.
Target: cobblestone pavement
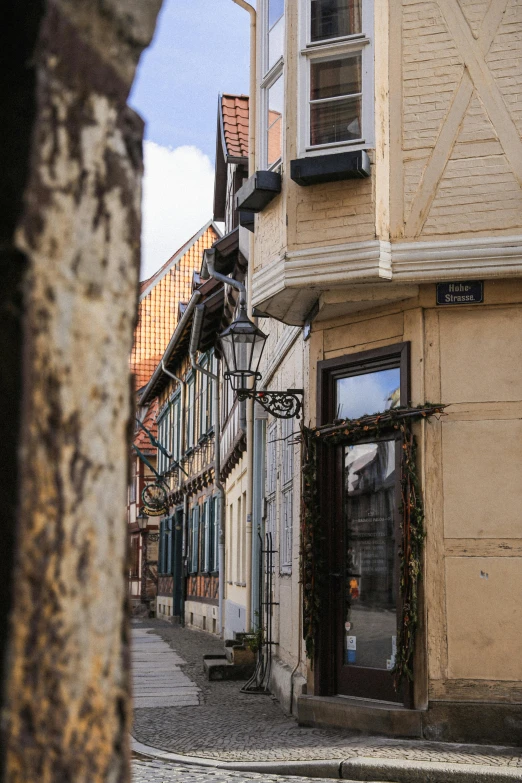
{"x": 232, "y": 726}
{"x": 161, "y": 772}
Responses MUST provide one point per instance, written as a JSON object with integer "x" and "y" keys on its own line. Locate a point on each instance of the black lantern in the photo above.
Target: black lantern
{"x": 242, "y": 344}
{"x": 142, "y": 519}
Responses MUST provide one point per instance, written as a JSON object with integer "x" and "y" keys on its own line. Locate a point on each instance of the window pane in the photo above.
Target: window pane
{"x": 275, "y": 121}
{"x": 335, "y": 121}
{"x": 333, "y": 78}
{"x": 276, "y": 40}
{"x": 335, "y": 18}
{"x": 276, "y": 9}
{"x": 370, "y": 622}
{"x": 369, "y": 393}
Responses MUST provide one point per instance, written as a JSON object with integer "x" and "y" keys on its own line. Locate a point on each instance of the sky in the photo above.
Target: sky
{"x": 200, "y": 49}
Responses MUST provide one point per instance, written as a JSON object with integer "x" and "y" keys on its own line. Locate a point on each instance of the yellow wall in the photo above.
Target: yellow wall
{"x": 469, "y": 359}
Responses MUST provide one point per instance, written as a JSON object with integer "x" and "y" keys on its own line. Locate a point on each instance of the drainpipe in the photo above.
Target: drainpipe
{"x": 252, "y": 104}
{"x": 194, "y": 340}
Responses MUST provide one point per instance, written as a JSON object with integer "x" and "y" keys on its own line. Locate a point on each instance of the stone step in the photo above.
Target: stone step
{"x": 218, "y": 668}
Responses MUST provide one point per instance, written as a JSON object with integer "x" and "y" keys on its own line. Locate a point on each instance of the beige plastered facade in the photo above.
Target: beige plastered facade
{"x": 360, "y": 259}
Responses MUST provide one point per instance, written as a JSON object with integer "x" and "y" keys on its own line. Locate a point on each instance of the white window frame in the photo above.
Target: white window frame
{"x": 268, "y": 78}
{"x": 191, "y": 412}
{"x": 271, "y": 482}
{"x": 194, "y": 540}
{"x": 175, "y": 424}
{"x": 164, "y": 437}
{"x": 332, "y": 49}
{"x": 205, "y": 537}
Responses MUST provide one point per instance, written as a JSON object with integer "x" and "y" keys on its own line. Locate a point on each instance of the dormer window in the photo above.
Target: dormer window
{"x": 336, "y": 75}
{"x": 272, "y": 83}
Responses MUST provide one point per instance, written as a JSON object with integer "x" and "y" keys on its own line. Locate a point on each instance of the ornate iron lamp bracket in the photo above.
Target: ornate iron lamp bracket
{"x": 281, "y": 404}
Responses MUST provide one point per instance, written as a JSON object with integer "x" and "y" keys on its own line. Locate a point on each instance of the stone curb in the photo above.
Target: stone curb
{"x": 369, "y": 770}
{"x": 318, "y": 769}
{"x": 399, "y": 771}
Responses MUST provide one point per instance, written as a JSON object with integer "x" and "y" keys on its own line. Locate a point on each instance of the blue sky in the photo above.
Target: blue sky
{"x": 200, "y": 49}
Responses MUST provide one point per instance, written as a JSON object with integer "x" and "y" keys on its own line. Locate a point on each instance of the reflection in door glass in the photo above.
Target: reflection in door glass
{"x": 370, "y": 624}
{"x": 372, "y": 392}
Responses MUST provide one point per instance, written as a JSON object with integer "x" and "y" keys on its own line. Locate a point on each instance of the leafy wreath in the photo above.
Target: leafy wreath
{"x": 313, "y": 560}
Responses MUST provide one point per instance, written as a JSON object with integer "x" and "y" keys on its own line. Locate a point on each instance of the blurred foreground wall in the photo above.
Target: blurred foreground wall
{"x": 69, "y": 258}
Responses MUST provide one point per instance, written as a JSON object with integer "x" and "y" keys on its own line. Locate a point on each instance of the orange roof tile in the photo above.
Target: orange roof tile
{"x": 234, "y": 116}
{"x": 158, "y": 311}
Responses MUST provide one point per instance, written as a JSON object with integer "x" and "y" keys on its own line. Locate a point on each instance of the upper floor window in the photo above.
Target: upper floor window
{"x": 272, "y": 82}
{"x": 190, "y": 416}
{"x": 164, "y": 437}
{"x": 176, "y": 427}
{"x": 336, "y": 75}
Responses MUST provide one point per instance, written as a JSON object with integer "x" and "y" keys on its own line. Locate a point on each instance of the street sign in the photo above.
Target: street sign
{"x": 465, "y": 292}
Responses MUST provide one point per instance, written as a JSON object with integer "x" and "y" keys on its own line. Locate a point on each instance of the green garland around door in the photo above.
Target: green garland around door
{"x": 313, "y": 561}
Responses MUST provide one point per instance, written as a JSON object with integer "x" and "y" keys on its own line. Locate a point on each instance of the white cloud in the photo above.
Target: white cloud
{"x": 178, "y": 191}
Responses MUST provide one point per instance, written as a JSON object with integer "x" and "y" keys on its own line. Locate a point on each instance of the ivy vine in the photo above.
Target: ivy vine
{"x": 313, "y": 534}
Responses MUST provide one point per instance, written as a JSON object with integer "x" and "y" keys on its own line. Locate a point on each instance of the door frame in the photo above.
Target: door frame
{"x": 328, "y": 371}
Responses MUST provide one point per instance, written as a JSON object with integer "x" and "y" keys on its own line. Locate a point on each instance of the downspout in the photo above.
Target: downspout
{"x": 252, "y": 103}
{"x": 194, "y": 339}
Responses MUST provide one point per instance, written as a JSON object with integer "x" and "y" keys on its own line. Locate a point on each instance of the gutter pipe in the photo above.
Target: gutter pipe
{"x": 194, "y": 341}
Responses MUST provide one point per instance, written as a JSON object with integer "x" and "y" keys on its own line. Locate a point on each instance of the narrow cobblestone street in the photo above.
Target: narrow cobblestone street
{"x": 178, "y": 711}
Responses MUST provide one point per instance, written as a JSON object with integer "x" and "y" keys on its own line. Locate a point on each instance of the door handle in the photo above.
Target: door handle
{"x": 336, "y": 576}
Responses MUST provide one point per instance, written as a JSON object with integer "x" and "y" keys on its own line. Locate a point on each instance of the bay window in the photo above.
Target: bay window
{"x": 336, "y": 75}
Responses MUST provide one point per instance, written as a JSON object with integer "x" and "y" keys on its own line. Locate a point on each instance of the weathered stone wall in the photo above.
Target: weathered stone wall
{"x": 66, "y": 706}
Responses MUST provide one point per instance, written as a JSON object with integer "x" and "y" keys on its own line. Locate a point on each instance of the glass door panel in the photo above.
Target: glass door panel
{"x": 369, "y": 611}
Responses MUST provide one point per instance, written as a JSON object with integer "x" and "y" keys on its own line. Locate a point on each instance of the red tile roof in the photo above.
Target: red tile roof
{"x": 234, "y": 110}
{"x": 158, "y": 311}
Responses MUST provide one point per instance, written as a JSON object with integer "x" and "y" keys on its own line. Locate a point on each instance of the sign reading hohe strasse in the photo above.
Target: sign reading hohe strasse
{"x": 465, "y": 292}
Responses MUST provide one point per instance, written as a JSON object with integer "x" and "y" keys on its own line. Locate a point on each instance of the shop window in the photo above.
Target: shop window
{"x": 336, "y": 75}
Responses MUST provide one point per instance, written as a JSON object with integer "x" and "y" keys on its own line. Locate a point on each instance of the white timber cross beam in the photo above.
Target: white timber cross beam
{"x": 476, "y": 76}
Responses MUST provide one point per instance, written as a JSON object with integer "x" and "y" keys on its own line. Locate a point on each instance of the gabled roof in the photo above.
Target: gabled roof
{"x": 158, "y": 311}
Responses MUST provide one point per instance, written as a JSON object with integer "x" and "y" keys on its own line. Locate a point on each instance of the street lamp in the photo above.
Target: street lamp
{"x": 142, "y": 520}
{"x": 242, "y": 345}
